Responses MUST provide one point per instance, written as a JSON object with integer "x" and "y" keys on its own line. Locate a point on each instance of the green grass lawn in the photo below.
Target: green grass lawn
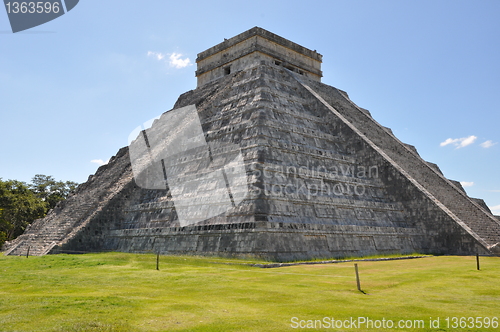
{"x": 125, "y": 292}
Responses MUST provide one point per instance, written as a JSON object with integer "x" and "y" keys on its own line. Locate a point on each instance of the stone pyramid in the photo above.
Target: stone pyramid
{"x": 264, "y": 160}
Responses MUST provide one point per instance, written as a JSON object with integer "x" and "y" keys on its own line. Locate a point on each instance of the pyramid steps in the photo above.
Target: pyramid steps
{"x": 69, "y": 216}
{"x": 483, "y": 226}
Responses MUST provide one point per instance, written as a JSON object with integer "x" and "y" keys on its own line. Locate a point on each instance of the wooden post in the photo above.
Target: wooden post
{"x": 357, "y": 277}
{"x": 28, "y": 252}
{"x": 158, "y": 261}
{"x": 477, "y": 261}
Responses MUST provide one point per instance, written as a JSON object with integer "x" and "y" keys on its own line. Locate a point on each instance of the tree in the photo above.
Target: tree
{"x": 50, "y": 190}
{"x": 3, "y": 234}
{"x": 19, "y": 206}
{"x": 21, "y": 203}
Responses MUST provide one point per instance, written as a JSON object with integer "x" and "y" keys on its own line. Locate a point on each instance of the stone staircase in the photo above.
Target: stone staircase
{"x": 476, "y": 220}
{"x": 50, "y": 231}
{"x": 69, "y": 216}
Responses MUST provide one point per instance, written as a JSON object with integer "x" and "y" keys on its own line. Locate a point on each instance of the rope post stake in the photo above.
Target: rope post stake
{"x": 357, "y": 277}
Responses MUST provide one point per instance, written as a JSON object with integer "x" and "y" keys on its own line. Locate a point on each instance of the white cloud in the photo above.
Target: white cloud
{"x": 488, "y": 144}
{"x": 177, "y": 62}
{"x": 466, "y": 184}
{"x": 495, "y": 209}
{"x": 157, "y": 55}
{"x": 99, "y": 162}
{"x": 449, "y": 141}
{"x": 174, "y": 60}
{"x": 460, "y": 142}
{"x": 467, "y": 141}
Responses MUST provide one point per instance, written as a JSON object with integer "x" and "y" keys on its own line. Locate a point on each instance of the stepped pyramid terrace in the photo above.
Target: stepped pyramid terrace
{"x": 264, "y": 160}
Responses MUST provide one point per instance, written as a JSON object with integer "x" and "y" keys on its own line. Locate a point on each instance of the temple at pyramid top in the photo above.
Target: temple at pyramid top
{"x": 253, "y": 46}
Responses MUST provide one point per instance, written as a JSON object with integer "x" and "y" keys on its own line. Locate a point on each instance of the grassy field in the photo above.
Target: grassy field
{"x": 125, "y": 292}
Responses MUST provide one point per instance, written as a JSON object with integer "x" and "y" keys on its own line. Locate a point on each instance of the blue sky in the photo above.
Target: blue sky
{"x": 72, "y": 90}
